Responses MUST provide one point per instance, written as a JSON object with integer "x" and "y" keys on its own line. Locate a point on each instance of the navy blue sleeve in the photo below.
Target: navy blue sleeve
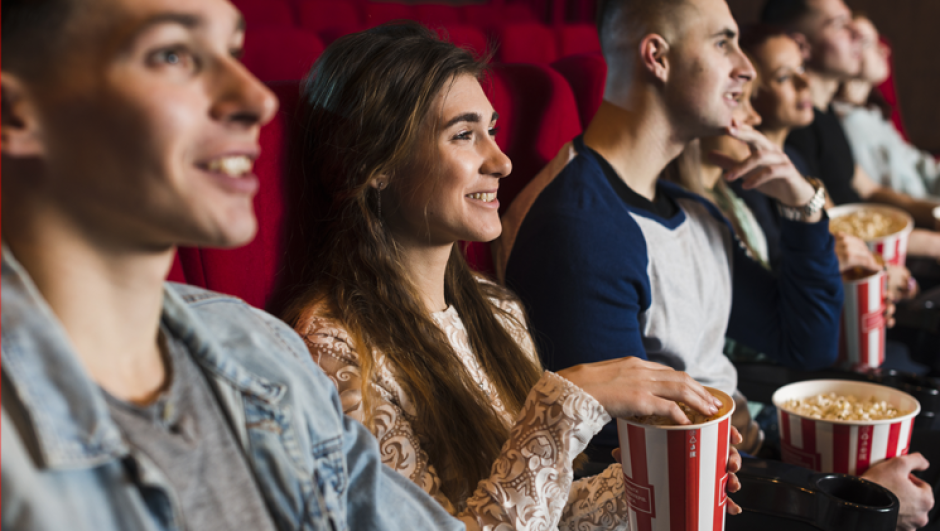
{"x": 583, "y": 281}
{"x": 794, "y": 316}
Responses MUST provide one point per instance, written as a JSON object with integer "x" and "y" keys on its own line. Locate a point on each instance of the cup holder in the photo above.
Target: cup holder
{"x": 853, "y": 491}
{"x": 828, "y": 502}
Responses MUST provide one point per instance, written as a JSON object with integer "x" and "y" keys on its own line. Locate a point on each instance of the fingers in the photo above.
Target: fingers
{"x": 914, "y": 461}
{"x": 751, "y": 137}
{"x": 736, "y": 437}
{"x": 675, "y": 413}
{"x": 617, "y": 455}
{"x": 733, "y": 508}
{"x": 734, "y": 460}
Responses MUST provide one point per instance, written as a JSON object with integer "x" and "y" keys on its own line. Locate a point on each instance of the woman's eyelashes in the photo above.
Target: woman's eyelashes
{"x": 175, "y": 56}
{"x": 467, "y": 134}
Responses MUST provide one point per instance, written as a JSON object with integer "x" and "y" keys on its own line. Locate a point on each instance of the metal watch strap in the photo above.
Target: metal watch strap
{"x": 802, "y": 213}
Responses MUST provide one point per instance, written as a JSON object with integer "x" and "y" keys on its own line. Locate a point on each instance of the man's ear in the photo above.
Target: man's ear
{"x": 20, "y": 135}
{"x": 803, "y": 43}
{"x": 653, "y": 51}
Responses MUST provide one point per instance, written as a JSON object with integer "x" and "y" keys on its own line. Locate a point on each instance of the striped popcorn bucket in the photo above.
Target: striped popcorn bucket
{"x": 675, "y": 476}
{"x": 863, "y": 326}
{"x": 893, "y": 247}
{"x": 843, "y": 446}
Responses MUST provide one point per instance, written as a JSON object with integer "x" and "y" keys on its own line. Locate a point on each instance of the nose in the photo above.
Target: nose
{"x": 743, "y": 69}
{"x": 495, "y": 162}
{"x": 241, "y": 98}
{"x": 753, "y": 119}
{"x": 800, "y": 81}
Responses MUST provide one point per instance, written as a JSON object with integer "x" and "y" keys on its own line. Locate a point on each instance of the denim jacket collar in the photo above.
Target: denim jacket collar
{"x": 69, "y": 416}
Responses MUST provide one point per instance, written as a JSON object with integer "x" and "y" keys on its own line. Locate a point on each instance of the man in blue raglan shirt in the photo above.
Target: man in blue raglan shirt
{"x": 130, "y": 127}
{"x": 613, "y": 262}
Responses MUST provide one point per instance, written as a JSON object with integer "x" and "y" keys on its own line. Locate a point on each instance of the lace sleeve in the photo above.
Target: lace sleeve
{"x": 530, "y": 481}
{"x": 400, "y": 449}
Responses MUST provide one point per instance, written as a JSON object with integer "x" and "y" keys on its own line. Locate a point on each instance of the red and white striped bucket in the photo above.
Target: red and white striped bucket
{"x": 863, "y": 326}
{"x": 675, "y": 476}
{"x": 893, "y": 247}
{"x": 843, "y": 446}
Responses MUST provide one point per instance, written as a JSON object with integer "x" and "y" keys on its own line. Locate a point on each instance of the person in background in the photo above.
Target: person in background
{"x": 781, "y": 91}
{"x": 879, "y": 148}
{"x": 834, "y": 47}
{"x": 610, "y": 260}
{"x": 130, "y": 127}
{"x": 400, "y": 163}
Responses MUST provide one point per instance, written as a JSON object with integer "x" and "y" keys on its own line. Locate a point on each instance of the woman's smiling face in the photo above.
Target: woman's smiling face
{"x": 449, "y": 191}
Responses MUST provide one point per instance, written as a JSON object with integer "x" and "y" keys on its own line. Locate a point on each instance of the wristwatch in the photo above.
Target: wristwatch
{"x": 802, "y": 213}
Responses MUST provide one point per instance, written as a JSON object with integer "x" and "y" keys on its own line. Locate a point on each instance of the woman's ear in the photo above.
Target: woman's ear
{"x": 379, "y": 182}
{"x": 20, "y": 135}
{"x": 653, "y": 52}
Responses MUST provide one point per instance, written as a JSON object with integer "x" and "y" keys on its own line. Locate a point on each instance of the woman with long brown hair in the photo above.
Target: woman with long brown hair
{"x": 400, "y": 163}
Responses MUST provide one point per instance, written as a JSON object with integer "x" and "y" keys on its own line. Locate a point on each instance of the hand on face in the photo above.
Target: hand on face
{"x": 915, "y": 495}
{"x": 768, "y": 169}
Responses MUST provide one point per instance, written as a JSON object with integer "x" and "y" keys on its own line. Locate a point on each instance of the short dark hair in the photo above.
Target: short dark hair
{"x": 30, "y": 31}
{"x": 784, "y": 13}
{"x": 755, "y": 35}
{"x": 635, "y": 17}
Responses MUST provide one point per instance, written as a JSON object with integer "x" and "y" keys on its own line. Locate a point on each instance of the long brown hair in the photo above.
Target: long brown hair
{"x": 363, "y": 113}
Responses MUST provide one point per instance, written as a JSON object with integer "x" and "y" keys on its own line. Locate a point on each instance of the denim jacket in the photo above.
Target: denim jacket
{"x": 65, "y": 465}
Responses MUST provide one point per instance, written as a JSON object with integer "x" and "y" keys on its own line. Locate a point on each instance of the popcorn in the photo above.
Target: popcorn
{"x": 867, "y": 224}
{"x": 662, "y": 420}
{"x": 830, "y": 406}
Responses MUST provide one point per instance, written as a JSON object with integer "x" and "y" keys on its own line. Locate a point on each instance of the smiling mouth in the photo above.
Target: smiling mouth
{"x": 486, "y": 197}
{"x": 233, "y": 166}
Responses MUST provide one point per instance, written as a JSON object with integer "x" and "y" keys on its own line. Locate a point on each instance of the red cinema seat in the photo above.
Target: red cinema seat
{"x": 266, "y": 13}
{"x": 537, "y": 115}
{"x": 468, "y": 37}
{"x": 888, "y": 90}
{"x": 527, "y": 42}
{"x": 176, "y": 271}
{"x": 275, "y": 54}
{"x": 250, "y": 272}
{"x": 519, "y": 13}
{"x": 587, "y": 75}
{"x": 379, "y": 13}
{"x": 577, "y": 38}
{"x": 329, "y": 17}
{"x": 434, "y": 15}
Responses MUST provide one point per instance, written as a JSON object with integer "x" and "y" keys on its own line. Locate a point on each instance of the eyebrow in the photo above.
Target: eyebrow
{"x": 726, "y": 32}
{"x": 186, "y": 20}
{"x": 471, "y": 117}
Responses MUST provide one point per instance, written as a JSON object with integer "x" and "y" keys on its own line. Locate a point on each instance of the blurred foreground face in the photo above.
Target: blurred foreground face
{"x": 708, "y": 68}
{"x": 836, "y": 47}
{"x": 783, "y": 98}
{"x": 875, "y": 54}
{"x": 449, "y": 192}
{"x": 150, "y": 127}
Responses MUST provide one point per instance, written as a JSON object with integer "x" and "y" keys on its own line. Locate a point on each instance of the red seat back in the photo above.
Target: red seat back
{"x": 250, "y": 272}
{"x": 176, "y": 271}
{"x": 433, "y": 15}
{"x": 266, "y": 13}
{"x": 274, "y": 54}
{"x": 537, "y": 115}
{"x": 889, "y": 91}
{"x": 329, "y": 16}
{"x": 577, "y": 38}
{"x": 468, "y": 37}
{"x": 527, "y": 42}
{"x": 379, "y": 13}
{"x": 587, "y": 75}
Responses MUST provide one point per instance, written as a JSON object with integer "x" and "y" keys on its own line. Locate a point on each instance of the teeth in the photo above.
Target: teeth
{"x": 235, "y": 166}
{"x": 485, "y": 197}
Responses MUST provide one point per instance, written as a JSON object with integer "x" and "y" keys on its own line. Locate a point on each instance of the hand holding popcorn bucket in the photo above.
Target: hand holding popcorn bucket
{"x": 843, "y": 426}
{"x": 675, "y": 476}
{"x": 885, "y": 229}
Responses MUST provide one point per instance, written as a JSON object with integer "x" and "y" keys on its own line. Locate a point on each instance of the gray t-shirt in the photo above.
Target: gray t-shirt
{"x": 186, "y": 434}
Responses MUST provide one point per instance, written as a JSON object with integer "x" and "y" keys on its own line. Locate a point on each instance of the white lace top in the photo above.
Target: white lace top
{"x": 530, "y": 486}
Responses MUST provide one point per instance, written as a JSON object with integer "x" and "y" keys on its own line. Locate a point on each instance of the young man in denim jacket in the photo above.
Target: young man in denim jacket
{"x": 129, "y": 127}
